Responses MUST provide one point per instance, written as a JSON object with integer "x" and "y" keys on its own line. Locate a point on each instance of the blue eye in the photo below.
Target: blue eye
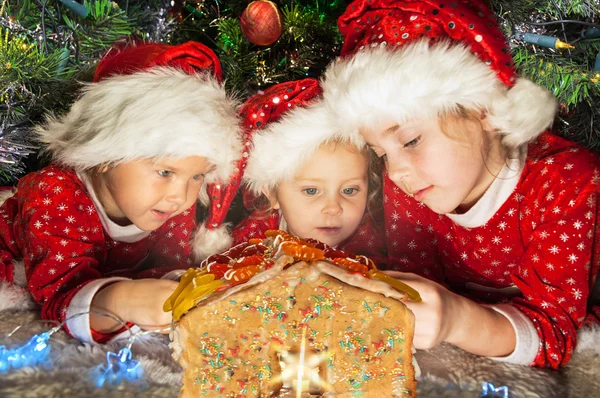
{"x": 310, "y": 191}
{"x": 412, "y": 143}
{"x": 164, "y": 173}
{"x": 199, "y": 177}
{"x": 349, "y": 191}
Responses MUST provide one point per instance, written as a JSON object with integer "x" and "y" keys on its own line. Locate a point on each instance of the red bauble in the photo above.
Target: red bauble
{"x": 261, "y": 22}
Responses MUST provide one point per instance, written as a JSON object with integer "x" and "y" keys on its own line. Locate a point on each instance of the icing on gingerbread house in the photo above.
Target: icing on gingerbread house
{"x": 290, "y": 317}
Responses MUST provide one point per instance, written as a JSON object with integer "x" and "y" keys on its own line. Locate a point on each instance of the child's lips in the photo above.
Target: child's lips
{"x": 329, "y": 230}
{"x": 420, "y": 195}
{"x": 161, "y": 215}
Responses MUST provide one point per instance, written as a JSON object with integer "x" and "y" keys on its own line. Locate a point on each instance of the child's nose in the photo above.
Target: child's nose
{"x": 332, "y": 207}
{"x": 177, "y": 194}
{"x": 397, "y": 171}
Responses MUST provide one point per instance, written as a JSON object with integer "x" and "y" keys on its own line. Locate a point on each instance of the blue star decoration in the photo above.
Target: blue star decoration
{"x": 489, "y": 391}
{"x": 35, "y": 352}
{"x": 119, "y": 367}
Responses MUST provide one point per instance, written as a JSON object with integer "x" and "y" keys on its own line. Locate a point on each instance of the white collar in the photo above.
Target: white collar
{"x": 128, "y": 234}
{"x": 495, "y": 196}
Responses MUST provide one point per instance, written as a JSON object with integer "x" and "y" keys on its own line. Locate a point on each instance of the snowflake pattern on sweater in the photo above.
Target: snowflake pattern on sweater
{"x": 52, "y": 224}
{"x": 539, "y": 251}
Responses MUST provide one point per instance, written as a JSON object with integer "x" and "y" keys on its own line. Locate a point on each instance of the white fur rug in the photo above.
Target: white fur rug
{"x": 446, "y": 370}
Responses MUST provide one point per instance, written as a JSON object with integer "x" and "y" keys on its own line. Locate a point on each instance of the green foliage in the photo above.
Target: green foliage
{"x": 105, "y": 24}
{"x": 309, "y": 41}
{"x": 46, "y": 49}
{"x": 567, "y": 73}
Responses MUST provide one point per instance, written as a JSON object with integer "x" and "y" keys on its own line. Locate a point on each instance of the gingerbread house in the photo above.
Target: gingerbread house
{"x": 286, "y": 317}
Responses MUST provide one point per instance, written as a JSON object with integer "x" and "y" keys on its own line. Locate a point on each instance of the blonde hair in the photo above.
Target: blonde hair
{"x": 462, "y": 124}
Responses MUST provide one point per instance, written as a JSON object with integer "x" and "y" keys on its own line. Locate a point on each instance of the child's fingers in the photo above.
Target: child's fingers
{"x": 164, "y": 329}
{"x": 408, "y": 276}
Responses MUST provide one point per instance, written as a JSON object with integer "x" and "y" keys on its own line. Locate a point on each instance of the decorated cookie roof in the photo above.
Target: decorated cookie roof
{"x": 258, "y": 260}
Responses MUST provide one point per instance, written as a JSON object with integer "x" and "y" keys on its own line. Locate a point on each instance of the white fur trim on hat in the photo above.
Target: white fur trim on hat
{"x": 6, "y": 194}
{"x": 523, "y": 113}
{"x": 159, "y": 113}
{"x": 387, "y": 84}
{"x": 210, "y": 241}
{"x": 284, "y": 146}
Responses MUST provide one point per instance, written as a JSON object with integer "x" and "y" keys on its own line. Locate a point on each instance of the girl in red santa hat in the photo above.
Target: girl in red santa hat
{"x": 113, "y": 219}
{"x": 489, "y": 216}
{"x": 311, "y": 182}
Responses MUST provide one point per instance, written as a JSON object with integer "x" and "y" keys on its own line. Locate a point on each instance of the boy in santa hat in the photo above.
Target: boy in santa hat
{"x": 496, "y": 215}
{"x": 104, "y": 227}
{"x": 305, "y": 179}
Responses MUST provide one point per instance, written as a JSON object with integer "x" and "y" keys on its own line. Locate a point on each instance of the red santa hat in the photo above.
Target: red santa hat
{"x": 403, "y": 60}
{"x": 287, "y": 123}
{"x": 156, "y": 100}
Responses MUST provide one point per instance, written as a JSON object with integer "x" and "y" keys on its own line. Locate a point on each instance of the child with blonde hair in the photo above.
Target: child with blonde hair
{"x": 107, "y": 224}
{"x": 311, "y": 184}
{"x": 496, "y": 215}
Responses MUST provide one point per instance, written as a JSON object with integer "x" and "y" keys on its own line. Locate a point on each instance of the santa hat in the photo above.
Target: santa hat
{"x": 403, "y": 60}
{"x": 152, "y": 101}
{"x": 287, "y": 123}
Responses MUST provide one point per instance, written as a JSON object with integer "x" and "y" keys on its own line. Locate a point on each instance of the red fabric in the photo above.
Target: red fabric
{"x": 543, "y": 240}
{"x": 371, "y": 22}
{"x": 53, "y": 225}
{"x": 259, "y": 110}
{"x": 270, "y": 105}
{"x": 368, "y": 240}
{"x": 190, "y": 57}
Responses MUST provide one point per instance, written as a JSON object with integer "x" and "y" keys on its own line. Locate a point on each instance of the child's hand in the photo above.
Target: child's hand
{"x": 138, "y": 301}
{"x": 446, "y": 316}
{"x": 437, "y": 316}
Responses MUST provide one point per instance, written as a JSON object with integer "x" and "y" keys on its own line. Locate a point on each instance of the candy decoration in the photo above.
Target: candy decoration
{"x": 190, "y": 297}
{"x": 261, "y": 22}
{"x": 351, "y": 265}
{"x": 185, "y": 280}
{"x": 413, "y": 295}
{"x": 242, "y": 262}
{"x": 302, "y": 252}
{"x": 243, "y": 274}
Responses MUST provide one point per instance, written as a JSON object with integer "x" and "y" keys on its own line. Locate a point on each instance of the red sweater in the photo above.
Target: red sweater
{"x": 531, "y": 242}
{"x": 53, "y": 224}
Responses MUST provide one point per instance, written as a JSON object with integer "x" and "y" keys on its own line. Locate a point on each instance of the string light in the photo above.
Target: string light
{"x": 76, "y": 7}
{"x": 593, "y": 33}
{"x": 489, "y": 391}
{"x": 542, "y": 40}
{"x": 119, "y": 367}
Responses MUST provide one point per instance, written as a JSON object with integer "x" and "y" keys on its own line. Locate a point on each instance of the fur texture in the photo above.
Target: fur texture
{"x": 284, "y": 146}
{"x": 447, "y": 370}
{"x": 211, "y": 241}
{"x": 379, "y": 86}
{"x": 5, "y": 194}
{"x": 13, "y": 297}
{"x": 163, "y": 112}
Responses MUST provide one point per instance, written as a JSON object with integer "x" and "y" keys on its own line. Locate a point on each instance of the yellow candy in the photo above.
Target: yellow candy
{"x": 413, "y": 295}
{"x": 197, "y": 282}
{"x": 189, "y": 301}
{"x": 183, "y": 282}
